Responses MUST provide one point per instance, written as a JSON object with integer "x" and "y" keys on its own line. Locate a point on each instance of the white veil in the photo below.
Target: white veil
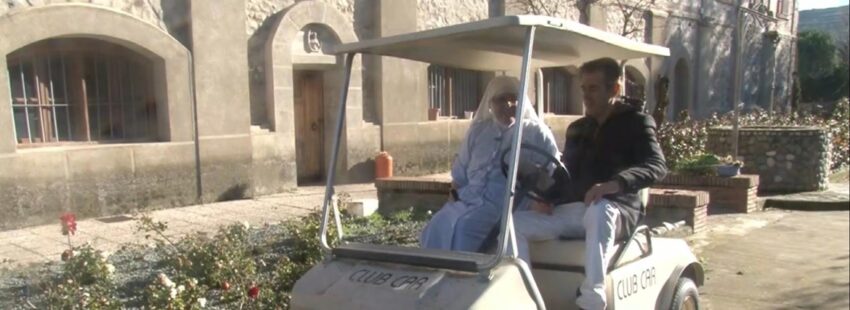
{"x": 498, "y": 86}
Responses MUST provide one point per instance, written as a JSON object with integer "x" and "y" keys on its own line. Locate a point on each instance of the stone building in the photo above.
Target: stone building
{"x": 121, "y": 105}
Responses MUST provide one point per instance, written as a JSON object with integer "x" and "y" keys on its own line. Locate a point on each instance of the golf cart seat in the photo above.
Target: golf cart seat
{"x": 567, "y": 254}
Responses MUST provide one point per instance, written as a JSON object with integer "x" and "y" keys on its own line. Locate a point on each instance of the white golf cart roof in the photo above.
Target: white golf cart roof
{"x": 496, "y": 44}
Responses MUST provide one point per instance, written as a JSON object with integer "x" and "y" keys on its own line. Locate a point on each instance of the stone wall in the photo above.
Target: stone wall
{"x": 169, "y": 15}
{"x": 554, "y": 8}
{"x": 149, "y": 11}
{"x": 787, "y": 159}
{"x": 92, "y": 181}
{"x": 440, "y": 13}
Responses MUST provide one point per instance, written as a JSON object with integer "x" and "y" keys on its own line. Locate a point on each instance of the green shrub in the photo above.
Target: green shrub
{"x": 703, "y": 164}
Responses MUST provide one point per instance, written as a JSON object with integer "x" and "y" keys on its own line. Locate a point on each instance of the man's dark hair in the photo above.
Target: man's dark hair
{"x": 608, "y": 66}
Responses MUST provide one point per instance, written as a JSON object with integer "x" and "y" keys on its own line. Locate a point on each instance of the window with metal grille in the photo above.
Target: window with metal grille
{"x": 560, "y": 92}
{"x": 80, "y": 90}
{"x": 453, "y": 91}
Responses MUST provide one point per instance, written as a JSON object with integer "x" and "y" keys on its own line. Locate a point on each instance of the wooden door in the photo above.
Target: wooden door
{"x": 309, "y": 125}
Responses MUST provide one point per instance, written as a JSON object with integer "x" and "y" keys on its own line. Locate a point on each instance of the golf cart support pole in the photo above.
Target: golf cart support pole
{"x": 329, "y": 189}
{"x": 506, "y": 224}
{"x": 509, "y": 189}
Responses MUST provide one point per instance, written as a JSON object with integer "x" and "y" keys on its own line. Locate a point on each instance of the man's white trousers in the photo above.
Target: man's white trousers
{"x": 597, "y": 224}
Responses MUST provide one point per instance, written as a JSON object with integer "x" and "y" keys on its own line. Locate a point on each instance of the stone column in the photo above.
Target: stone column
{"x": 218, "y": 44}
{"x": 221, "y": 66}
{"x": 8, "y": 141}
{"x": 400, "y": 85}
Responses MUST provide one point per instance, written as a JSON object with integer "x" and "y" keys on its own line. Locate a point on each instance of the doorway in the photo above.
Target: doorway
{"x": 681, "y": 89}
{"x": 309, "y": 125}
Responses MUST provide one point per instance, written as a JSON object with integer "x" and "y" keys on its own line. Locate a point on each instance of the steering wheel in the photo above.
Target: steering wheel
{"x": 534, "y": 179}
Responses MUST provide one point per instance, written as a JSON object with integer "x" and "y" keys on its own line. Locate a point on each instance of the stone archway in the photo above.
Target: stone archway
{"x": 288, "y": 54}
{"x": 170, "y": 59}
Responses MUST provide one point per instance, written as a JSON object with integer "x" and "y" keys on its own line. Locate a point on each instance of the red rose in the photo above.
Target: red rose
{"x": 69, "y": 223}
{"x": 254, "y": 291}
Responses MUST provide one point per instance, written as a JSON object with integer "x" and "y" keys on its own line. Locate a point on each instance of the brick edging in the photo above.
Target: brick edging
{"x": 741, "y": 181}
{"x": 414, "y": 184}
{"x": 661, "y": 197}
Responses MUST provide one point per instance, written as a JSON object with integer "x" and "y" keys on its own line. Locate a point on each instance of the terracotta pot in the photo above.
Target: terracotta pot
{"x": 433, "y": 114}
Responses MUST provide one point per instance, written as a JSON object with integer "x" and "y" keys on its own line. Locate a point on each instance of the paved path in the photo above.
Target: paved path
{"x": 46, "y": 243}
{"x": 836, "y": 197}
{"x": 777, "y": 260}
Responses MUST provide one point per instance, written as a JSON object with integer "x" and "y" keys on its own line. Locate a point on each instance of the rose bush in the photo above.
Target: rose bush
{"x": 237, "y": 267}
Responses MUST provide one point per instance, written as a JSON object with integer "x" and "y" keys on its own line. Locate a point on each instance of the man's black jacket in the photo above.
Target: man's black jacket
{"x": 624, "y": 148}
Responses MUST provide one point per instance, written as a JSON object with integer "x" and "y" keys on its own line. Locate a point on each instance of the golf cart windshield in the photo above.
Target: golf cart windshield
{"x": 497, "y": 44}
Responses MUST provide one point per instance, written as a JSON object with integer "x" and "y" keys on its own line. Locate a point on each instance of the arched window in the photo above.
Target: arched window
{"x": 81, "y": 90}
{"x": 453, "y": 91}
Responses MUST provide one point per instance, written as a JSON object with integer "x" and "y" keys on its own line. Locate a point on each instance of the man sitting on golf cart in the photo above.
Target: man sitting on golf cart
{"x": 611, "y": 154}
{"x": 478, "y": 180}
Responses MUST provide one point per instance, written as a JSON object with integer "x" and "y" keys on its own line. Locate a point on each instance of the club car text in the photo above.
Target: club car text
{"x": 397, "y": 281}
{"x": 634, "y": 283}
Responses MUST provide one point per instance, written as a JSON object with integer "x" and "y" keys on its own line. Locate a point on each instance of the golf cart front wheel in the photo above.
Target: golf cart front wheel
{"x": 687, "y": 295}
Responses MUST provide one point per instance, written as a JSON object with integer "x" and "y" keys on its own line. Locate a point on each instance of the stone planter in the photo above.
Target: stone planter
{"x": 737, "y": 194}
{"x": 787, "y": 159}
{"x": 670, "y": 205}
{"x": 400, "y": 193}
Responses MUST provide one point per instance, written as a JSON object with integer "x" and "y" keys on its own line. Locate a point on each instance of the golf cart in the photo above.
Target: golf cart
{"x": 644, "y": 273}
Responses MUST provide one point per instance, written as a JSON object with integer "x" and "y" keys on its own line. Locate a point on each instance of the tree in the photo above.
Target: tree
{"x": 817, "y": 54}
{"x": 823, "y": 76}
{"x": 632, "y": 12}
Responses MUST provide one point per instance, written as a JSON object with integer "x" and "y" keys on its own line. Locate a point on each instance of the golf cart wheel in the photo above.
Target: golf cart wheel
{"x": 687, "y": 296}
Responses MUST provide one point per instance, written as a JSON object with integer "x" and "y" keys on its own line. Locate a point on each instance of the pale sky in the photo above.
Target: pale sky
{"x": 819, "y": 4}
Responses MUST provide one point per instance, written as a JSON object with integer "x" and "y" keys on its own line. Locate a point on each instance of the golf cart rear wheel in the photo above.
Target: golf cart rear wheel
{"x": 687, "y": 296}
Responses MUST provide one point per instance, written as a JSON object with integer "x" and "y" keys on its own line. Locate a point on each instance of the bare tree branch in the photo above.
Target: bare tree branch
{"x": 632, "y": 13}
{"x": 555, "y": 7}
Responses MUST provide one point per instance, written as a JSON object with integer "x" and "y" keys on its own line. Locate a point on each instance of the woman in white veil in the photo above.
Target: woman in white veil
{"x": 465, "y": 223}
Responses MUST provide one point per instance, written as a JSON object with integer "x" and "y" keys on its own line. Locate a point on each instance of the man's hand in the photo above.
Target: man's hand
{"x": 542, "y": 207}
{"x": 601, "y": 189}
